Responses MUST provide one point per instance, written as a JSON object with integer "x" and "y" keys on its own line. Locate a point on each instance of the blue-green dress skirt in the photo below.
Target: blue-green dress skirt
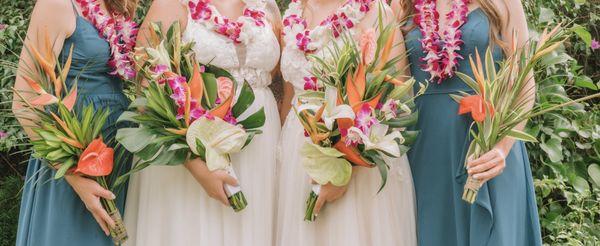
{"x": 505, "y": 212}
{"x": 51, "y": 212}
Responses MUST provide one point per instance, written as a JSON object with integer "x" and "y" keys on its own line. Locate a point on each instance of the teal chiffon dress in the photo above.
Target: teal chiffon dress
{"x": 51, "y": 212}
{"x": 505, "y": 212}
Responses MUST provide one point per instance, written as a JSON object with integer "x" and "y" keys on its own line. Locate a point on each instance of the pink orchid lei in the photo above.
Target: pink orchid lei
{"x": 441, "y": 57}
{"x": 295, "y": 27}
{"x": 203, "y": 12}
{"x": 119, "y": 31}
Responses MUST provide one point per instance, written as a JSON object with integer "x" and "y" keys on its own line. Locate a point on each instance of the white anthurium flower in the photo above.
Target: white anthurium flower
{"x": 378, "y": 140}
{"x": 333, "y": 111}
{"x": 219, "y": 139}
{"x": 325, "y": 165}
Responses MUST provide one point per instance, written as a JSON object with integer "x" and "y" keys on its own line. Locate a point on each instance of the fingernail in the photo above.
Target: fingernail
{"x": 476, "y": 176}
{"x": 113, "y": 196}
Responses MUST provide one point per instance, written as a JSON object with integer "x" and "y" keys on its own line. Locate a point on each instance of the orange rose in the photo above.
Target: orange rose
{"x": 225, "y": 86}
{"x": 368, "y": 44}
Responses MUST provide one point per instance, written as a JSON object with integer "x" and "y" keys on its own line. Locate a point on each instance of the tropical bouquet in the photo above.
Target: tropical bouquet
{"x": 187, "y": 110}
{"x": 499, "y": 103}
{"x": 355, "y": 110}
{"x": 70, "y": 142}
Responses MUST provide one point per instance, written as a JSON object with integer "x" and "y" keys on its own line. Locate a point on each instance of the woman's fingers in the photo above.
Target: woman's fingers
{"x": 222, "y": 197}
{"x": 104, "y": 193}
{"x": 228, "y": 179}
{"x": 484, "y": 166}
{"x": 489, "y": 174}
{"x": 319, "y": 204}
{"x": 482, "y": 159}
{"x": 107, "y": 219}
{"x": 101, "y": 223}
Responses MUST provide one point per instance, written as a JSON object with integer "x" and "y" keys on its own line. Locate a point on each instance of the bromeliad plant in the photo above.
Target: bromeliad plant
{"x": 69, "y": 141}
{"x": 355, "y": 110}
{"x": 187, "y": 110}
{"x": 500, "y": 102}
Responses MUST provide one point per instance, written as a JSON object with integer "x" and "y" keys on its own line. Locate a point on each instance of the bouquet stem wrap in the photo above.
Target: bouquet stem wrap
{"x": 470, "y": 190}
{"x": 236, "y": 197}
{"x": 119, "y": 232}
{"x": 311, "y": 202}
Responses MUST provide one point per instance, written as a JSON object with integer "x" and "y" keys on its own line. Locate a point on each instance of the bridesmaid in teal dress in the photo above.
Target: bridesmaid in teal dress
{"x": 505, "y": 212}
{"x": 55, "y": 212}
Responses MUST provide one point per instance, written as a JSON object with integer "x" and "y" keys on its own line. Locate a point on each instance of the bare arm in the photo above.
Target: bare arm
{"x": 286, "y": 104}
{"x": 518, "y": 23}
{"x": 166, "y": 12}
{"x": 45, "y": 23}
{"x": 492, "y": 163}
{"x": 39, "y": 28}
{"x": 274, "y": 16}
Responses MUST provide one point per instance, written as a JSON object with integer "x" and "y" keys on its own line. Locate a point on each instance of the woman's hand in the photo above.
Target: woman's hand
{"x": 212, "y": 182}
{"x": 90, "y": 192}
{"x": 329, "y": 193}
{"x": 489, "y": 165}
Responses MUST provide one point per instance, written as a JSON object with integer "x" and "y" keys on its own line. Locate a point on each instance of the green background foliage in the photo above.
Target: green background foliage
{"x": 566, "y": 162}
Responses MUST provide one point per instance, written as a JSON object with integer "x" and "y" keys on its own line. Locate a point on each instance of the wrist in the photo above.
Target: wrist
{"x": 505, "y": 145}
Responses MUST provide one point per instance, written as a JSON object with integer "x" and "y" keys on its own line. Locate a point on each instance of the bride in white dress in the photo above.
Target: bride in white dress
{"x": 167, "y": 205}
{"x": 360, "y": 216}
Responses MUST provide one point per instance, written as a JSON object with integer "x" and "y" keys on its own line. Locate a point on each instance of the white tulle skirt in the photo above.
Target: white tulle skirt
{"x": 360, "y": 218}
{"x": 166, "y": 206}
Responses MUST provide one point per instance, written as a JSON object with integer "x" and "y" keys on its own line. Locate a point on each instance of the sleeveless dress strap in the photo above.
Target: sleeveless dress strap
{"x": 74, "y": 8}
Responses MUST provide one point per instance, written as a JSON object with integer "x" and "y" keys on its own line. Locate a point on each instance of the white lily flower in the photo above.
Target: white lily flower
{"x": 331, "y": 111}
{"x": 378, "y": 140}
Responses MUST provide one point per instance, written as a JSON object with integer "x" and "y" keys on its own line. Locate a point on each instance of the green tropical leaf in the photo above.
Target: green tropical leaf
{"x": 64, "y": 167}
{"x": 245, "y": 99}
{"x": 594, "y": 172}
{"x": 521, "y": 135}
{"x": 210, "y": 89}
{"x": 255, "y": 120}
{"x": 134, "y": 139}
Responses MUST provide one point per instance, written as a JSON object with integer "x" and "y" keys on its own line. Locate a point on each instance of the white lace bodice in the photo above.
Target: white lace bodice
{"x": 252, "y": 60}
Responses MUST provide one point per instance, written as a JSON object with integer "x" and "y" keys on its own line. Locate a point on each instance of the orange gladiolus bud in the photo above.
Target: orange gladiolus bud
{"x": 476, "y": 106}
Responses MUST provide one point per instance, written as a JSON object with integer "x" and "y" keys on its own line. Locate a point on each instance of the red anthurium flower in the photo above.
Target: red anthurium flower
{"x": 477, "y": 106}
{"x": 96, "y": 160}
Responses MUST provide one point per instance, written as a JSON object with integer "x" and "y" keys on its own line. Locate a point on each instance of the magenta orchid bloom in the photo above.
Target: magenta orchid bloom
{"x": 310, "y": 83}
{"x": 364, "y": 118}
